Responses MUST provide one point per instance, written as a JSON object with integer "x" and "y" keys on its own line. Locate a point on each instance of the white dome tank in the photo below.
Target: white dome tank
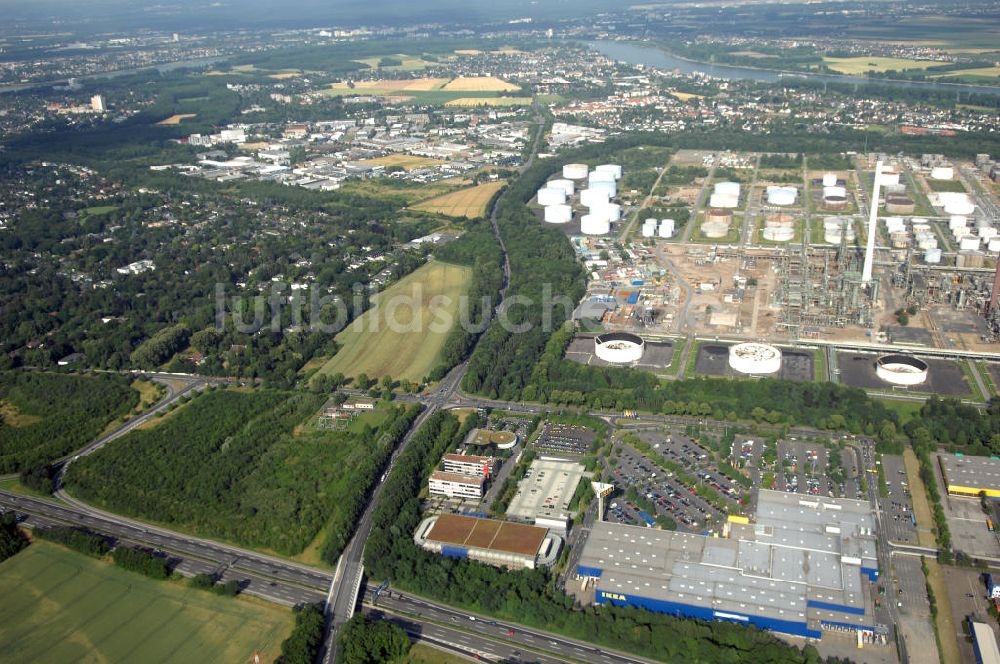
{"x": 755, "y": 358}
{"x": 608, "y": 186}
{"x": 957, "y": 221}
{"x": 575, "y": 171}
{"x": 834, "y": 190}
{"x": 600, "y": 176}
{"x": 614, "y": 169}
{"x": 889, "y": 178}
{"x": 549, "y": 196}
{"x": 942, "y": 173}
{"x": 724, "y": 200}
{"x": 830, "y": 180}
{"x": 612, "y": 211}
{"x": 566, "y": 185}
{"x": 715, "y": 229}
{"x": 781, "y": 196}
{"x": 558, "y": 214}
{"x": 667, "y": 228}
{"x": 594, "y": 197}
{"x": 932, "y": 256}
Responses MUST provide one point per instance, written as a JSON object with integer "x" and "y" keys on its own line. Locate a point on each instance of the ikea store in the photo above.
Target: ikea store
{"x": 805, "y": 565}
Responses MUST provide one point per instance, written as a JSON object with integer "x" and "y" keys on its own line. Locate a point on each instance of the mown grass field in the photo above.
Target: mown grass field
{"x": 463, "y": 203}
{"x": 176, "y": 119}
{"x": 479, "y": 84}
{"x": 407, "y": 62}
{"x": 489, "y": 101}
{"x": 407, "y": 162}
{"x": 397, "y": 337}
{"x": 61, "y": 606}
{"x": 866, "y": 63}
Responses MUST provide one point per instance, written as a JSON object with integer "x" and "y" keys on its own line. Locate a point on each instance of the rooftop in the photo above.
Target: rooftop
{"x": 971, "y": 471}
{"x": 489, "y": 534}
{"x": 457, "y": 478}
{"x": 546, "y": 490}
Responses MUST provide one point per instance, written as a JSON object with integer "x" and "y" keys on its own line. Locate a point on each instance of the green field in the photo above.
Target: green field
{"x": 401, "y": 335}
{"x": 61, "y": 606}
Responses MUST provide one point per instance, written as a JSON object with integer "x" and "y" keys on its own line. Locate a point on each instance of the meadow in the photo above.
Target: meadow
{"x": 467, "y": 203}
{"x": 61, "y": 606}
{"x": 871, "y": 63}
{"x": 371, "y": 346}
{"x": 407, "y": 162}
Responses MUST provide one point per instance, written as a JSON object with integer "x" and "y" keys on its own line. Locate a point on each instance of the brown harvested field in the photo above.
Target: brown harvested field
{"x": 284, "y": 75}
{"x": 467, "y": 203}
{"x": 684, "y": 96}
{"x": 490, "y": 101}
{"x": 408, "y": 162}
{"x": 487, "y": 534}
{"x": 391, "y": 86}
{"x": 468, "y": 51}
{"x": 480, "y": 84}
{"x": 921, "y": 507}
{"x": 176, "y": 119}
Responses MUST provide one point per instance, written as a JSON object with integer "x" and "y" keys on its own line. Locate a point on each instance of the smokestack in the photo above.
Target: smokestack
{"x": 866, "y": 273}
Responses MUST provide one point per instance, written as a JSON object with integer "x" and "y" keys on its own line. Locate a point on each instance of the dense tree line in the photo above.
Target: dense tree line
{"x": 12, "y": 539}
{"x": 74, "y": 538}
{"x": 156, "y": 350}
{"x": 59, "y": 413}
{"x": 366, "y": 641}
{"x": 303, "y": 644}
{"x": 212, "y": 583}
{"x": 142, "y": 562}
{"x": 530, "y": 596}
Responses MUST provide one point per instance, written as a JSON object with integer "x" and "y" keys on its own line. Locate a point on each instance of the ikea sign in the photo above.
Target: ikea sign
{"x": 606, "y": 595}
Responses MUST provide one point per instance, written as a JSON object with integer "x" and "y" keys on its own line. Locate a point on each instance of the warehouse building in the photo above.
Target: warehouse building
{"x": 489, "y": 541}
{"x": 456, "y": 485}
{"x": 984, "y": 641}
{"x": 805, "y": 565}
{"x": 971, "y": 475}
{"x": 544, "y": 494}
{"x": 469, "y": 464}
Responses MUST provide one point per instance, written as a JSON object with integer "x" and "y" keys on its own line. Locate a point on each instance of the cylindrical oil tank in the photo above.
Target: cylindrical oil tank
{"x": 611, "y": 211}
{"x": 667, "y": 228}
{"x": 549, "y": 196}
{"x": 834, "y": 203}
{"x": 715, "y": 229}
{"x": 558, "y": 214}
{"x": 566, "y": 185}
{"x": 614, "y": 169}
{"x": 600, "y": 176}
{"x": 778, "y": 233}
{"x": 591, "y": 224}
{"x": 994, "y": 245}
{"x": 932, "y": 256}
{"x": 649, "y": 228}
{"x": 594, "y": 197}
{"x": 889, "y": 177}
{"x": 899, "y": 240}
{"x": 724, "y": 200}
{"x": 829, "y": 179}
{"x": 608, "y": 186}
{"x": 957, "y": 221}
{"x": 970, "y": 259}
{"x": 781, "y": 196}
{"x": 727, "y": 188}
{"x": 899, "y": 204}
{"x": 834, "y": 190}
{"x": 575, "y": 171}
{"x": 969, "y": 243}
{"x": 719, "y": 216}
{"x": 942, "y": 173}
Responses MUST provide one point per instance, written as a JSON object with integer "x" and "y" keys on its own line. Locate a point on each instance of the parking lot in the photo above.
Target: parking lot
{"x": 802, "y": 468}
{"x": 967, "y": 522}
{"x": 713, "y": 360}
{"x": 943, "y": 376}
{"x": 667, "y": 496}
{"x": 852, "y": 483}
{"x": 912, "y": 606}
{"x": 967, "y": 594}
{"x": 897, "y": 507}
{"x": 565, "y": 439}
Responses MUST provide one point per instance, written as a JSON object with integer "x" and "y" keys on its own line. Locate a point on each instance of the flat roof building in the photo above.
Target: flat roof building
{"x": 544, "y": 494}
{"x": 456, "y": 485}
{"x": 802, "y": 567}
{"x": 984, "y": 642}
{"x": 490, "y": 541}
{"x": 469, "y": 464}
{"x": 504, "y": 440}
{"x": 971, "y": 475}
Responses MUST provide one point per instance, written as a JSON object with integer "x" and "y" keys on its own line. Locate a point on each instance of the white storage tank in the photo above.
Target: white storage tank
{"x": 956, "y": 203}
{"x": 942, "y": 173}
{"x": 834, "y": 190}
{"x": 830, "y": 180}
{"x": 781, "y": 196}
{"x": 575, "y": 171}
{"x": 727, "y": 188}
{"x": 610, "y": 211}
{"x": 595, "y": 225}
{"x": 600, "y": 176}
{"x": 724, "y": 200}
{"x": 594, "y": 197}
{"x": 926, "y": 243}
{"x": 614, "y": 169}
{"x": 754, "y": 358}
{"x": 715, "y": 229}
{"x": 994, "y": 245}
{"x": 932, "y": 256}
{"x": 667, "y": 228}
{"x": 608, "y": 186}
{"x": 558, "y": 214}
{"x": 649, "y": 228}
{"x": 549, "y": 196}
{"x": 889, "y": 177}
{"x": 987, "y": 233}
{"x": 957, "y": 221}
{"x": 969, "y": 243}
{"x": 778, "y": 233}
{"x": 566, "y": 185}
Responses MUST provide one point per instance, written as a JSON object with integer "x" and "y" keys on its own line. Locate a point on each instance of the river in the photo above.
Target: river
{"x": 652, "y": 56}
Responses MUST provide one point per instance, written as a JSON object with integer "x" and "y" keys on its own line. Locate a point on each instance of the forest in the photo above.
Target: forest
{"x": 366, "y": 641}
{"x": 303, "y": 644}
{"x": 44, "y": 416}
{"x": 245, "y": 467}
{"x": 12, "y": 540}
{"x": 530, "y": 596}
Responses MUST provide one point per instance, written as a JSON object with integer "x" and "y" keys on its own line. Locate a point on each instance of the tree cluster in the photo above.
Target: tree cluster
{"x": 74, "y": 538}
{"x": 366, "y": 641}
{"x": 142, "y": 562}
{"x": 303, "y": 644}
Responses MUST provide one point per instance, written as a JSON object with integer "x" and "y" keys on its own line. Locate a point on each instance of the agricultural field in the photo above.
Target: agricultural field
{"x": 407, "y": 62}
{"x": 489, "y": 101}
{"x": 45, "y": 416}
{"x": 176, "y": 119}
{"x": 389, "y": 87}
{"x": 480, "y": 84}
{"x": 866, "y": 63}
{"x": 983, "y": 72}
{"x": 242, "y": 466}
{"x": 467, "y": 203}
{"x": 401, "y": 335}
{"x": 407, "y": 162}
{"x": 408, "y": 192}
{"x": 61, "y": 606}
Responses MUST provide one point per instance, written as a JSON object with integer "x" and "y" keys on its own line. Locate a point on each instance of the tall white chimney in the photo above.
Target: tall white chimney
{"x": 866, "y": 273}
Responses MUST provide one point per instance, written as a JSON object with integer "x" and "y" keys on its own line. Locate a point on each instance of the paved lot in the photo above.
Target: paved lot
{"x": 944, "y": 376}
{"x": 914, "y": 615}
{"x": 962, "y": 583}
{"x": 713, "y": 360}
{"x": 852, "y": 485}
{"x": 897, "y": 508}
{"x": 909, "y": 335}
{"x": 565, "y": 439}
{"x": 657, "y": 355}
{"x": 802, "y": 468}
